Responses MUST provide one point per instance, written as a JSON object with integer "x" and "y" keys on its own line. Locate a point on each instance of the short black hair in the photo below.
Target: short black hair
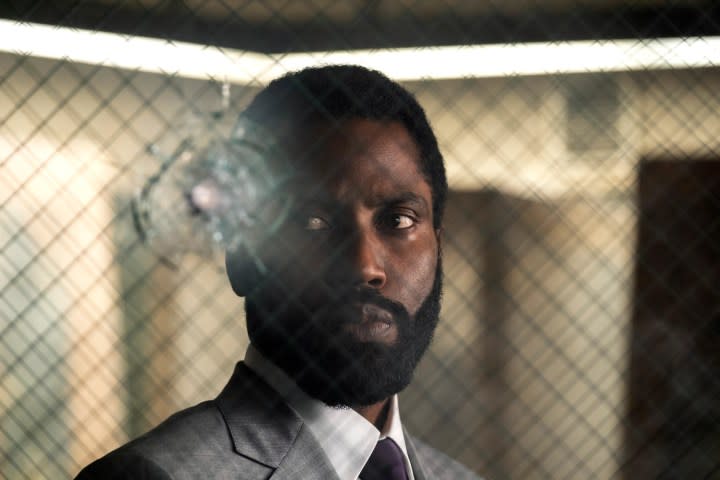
{"x": 343, "y": 92}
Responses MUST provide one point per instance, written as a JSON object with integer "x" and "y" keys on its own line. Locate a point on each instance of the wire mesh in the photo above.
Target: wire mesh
{"x": 579, "y": 329}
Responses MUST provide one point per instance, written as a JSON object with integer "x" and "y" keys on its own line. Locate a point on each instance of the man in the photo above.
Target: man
{"x": 341, "y": 311}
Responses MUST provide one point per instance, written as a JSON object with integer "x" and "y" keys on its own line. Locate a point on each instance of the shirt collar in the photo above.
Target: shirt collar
{"x": 344, "y": 435}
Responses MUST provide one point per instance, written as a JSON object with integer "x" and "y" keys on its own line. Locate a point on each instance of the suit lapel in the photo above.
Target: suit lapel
{"x": 264, "y": 429}
{"x": 305, "y": 460}
{"x": 415, "y": 461}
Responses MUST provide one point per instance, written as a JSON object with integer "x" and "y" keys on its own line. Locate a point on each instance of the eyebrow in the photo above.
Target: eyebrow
{"x": 405, "y": 198}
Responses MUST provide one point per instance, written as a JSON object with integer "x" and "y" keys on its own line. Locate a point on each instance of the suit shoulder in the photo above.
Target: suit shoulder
{"x": 201, "y": 427}
{"x": 183, "y": 438}
{"x": 123, "y": 465}
{"x": 439, "y": 466}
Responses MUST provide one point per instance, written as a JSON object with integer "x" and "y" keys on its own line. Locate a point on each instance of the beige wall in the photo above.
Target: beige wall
{"x": 78, "y": 290}
{"x": 569, "y": 292}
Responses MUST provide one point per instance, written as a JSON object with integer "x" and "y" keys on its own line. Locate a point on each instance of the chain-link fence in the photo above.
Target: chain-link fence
{"x": 581, "y": 245}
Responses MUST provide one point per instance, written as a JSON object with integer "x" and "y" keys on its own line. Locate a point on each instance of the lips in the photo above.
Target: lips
{"x": 375, "y": 324}
{"x": 376, "y": 314}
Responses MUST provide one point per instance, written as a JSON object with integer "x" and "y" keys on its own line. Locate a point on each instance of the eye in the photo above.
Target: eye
{"x": 314, "y": 223}
{"x": 400, "y": 221}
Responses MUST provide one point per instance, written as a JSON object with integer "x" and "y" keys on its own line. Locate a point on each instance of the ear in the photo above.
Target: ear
{"x": 242, "y": 271}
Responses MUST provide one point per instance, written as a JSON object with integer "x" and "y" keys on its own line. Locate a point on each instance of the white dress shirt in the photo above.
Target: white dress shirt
{"x": 345, "y": 436}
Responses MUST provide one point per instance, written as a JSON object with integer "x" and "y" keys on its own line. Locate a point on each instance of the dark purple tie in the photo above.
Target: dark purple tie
{"x": 385, "y": 463}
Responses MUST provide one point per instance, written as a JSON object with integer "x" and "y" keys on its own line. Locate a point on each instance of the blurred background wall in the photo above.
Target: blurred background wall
{"x": 564, "y": 351}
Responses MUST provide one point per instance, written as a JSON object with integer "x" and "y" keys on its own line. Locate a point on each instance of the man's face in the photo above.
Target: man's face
{"x": 352, "y": 294}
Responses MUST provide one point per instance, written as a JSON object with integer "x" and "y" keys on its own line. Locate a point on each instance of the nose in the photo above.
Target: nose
{"x": 369, "y": 260}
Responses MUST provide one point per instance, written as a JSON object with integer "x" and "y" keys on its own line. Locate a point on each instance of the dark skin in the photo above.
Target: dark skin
{"x": 363, "y": 219}
{"x": 376, "y": 414}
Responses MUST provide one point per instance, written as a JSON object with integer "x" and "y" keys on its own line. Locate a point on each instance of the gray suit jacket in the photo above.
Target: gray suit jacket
{"x": 247, "y": 432}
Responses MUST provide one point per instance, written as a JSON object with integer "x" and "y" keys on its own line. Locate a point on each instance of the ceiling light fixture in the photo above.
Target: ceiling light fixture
{"x": 423, "y": 63}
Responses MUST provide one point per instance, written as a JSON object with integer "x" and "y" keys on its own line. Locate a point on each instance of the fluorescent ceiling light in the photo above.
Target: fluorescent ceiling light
{"x": 470, "y": 61}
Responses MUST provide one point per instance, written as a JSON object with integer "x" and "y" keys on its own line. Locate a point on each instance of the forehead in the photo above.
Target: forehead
{"x": 359, "y": 157}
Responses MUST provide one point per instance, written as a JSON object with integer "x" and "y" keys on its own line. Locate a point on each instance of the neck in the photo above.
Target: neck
{"x": 376, "y": 414}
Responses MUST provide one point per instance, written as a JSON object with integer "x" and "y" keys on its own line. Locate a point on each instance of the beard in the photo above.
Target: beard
{"x": 332, "y": 365}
